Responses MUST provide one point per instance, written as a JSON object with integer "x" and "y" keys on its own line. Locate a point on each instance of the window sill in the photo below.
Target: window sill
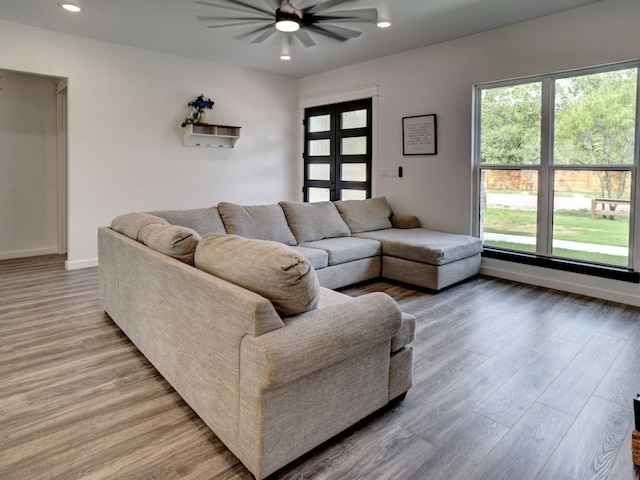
{"x": 585, "y": 268}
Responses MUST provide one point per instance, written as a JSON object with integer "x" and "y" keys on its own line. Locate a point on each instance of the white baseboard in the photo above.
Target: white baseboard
{"x": 78, "y": 264}
{"x": 28, "y": 253}
{"x": 591, "y": 286}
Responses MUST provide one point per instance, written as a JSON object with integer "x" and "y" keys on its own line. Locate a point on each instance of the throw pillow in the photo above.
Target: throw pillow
{"x": 314, "y": 221}
{"x": 271, "y": 269}
{"x": 404, "y": 221}
{"x": 130, "y": 224}
{"x": 365, "y": 215}
{"x": 172, "y": 240}
{"x": 261, "y": 222}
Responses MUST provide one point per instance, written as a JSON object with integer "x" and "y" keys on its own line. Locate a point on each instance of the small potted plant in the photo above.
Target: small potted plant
{"x": 198, "y": 106}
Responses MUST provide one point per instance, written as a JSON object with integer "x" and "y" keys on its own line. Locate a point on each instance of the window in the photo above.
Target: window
{"x": 556, "y": 163}
{"x": 337, "y": 154}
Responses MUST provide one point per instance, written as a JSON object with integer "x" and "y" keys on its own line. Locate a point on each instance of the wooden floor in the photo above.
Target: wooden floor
{"x": 510, "y": 381}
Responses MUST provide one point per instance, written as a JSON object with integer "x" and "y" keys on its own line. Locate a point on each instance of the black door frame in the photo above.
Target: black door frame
{"x": 335, "y": 159}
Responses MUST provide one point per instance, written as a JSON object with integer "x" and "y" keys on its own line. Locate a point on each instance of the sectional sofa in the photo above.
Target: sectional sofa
{"x": 347, "y": 241}
{"x": 234, "y": 305}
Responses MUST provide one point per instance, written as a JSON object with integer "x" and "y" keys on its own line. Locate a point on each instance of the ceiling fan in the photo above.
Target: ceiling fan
{"x": 285, "y": 17}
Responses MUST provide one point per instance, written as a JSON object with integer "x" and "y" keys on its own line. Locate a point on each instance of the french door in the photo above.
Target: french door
{"x": 337, "y": 152}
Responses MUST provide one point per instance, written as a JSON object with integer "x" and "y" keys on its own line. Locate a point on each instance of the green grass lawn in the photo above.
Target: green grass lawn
{"x": 572, "y": 226}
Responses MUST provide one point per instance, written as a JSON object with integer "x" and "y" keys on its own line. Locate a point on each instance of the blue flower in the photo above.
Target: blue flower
{"x": 198, "y": 105}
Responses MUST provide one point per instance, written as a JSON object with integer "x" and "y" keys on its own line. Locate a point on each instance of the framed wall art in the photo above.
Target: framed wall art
{"x": 419, "y": 135}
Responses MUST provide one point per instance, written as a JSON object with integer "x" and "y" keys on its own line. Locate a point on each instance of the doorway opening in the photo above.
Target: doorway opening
{"x": 33, "y": 164}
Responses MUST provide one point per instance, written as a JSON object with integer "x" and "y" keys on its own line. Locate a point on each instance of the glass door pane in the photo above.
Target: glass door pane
{"x": 319, "y": 171}
{"x": 353, "y": 172}
{"x": 353, "y": 119}
{"x": 353, "y": 146}
{"x": 319, "y": 195}
{"x": 319, "y": 123}
{"x": 350, "y": 194}
{"x": 319, "y": 148}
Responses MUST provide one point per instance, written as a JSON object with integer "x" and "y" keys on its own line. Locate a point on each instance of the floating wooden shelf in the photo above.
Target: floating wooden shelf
{"x": 208, "y": 135}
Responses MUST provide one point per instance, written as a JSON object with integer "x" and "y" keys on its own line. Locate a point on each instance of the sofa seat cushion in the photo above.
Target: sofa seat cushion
{"x": 425, "y": 246}
{"x": 271, "y": 269}
{"x": 314, "y": 221}
{"x": 346, "y": 249}
{"x": 260, "y": 222}
{"x": 318, "y": 258}
{"x": 365, "y": 215}
{"x": 172, "y": 240}
{"x": 202, "y": 220}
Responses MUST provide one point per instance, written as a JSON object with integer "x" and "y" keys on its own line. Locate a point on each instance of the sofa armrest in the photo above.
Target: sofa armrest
{"x": 404, "y": 221}
{"x": 318, "y": 339}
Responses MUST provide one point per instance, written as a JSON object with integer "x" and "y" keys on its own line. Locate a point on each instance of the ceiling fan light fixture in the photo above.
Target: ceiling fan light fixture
{"x": 287, "y": 26}
{"x": 71, "y": 7}
{"x": 285, "y": 57}
{"x": 287, "y": 22}
{"x": 383, "y": 24}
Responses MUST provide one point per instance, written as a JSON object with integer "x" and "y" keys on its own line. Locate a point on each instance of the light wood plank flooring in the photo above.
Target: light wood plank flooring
{"x": 510, "y": 381}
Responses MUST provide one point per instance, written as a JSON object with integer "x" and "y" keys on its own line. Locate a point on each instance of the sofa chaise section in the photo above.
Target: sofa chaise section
{"x": 427, "y": 258}
{"x": 411, "y": 254}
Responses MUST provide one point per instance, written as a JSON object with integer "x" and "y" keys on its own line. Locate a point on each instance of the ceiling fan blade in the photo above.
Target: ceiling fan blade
{"x": 207, "y": 18}
{"x": 266, "y": 34}
{"x": 237, "y": 24}
{"x": 273, "y": 3}
{"x": 304, "y": 38}
{"x": 324, "y": 31}
{"x": 345, "y": 32}
{"x": 236, "y": 2}
{"x": 324, "y": 5}
{"x": 358, "y": 15}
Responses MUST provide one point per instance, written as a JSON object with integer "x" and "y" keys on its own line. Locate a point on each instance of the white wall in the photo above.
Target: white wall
{"x": 439, "y": 79}
{"x": 28, "y": 169}
{"x": 125, "y": 146}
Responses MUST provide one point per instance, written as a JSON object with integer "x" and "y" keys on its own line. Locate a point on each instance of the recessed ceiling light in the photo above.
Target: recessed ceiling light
{"x": 383, "y": 24}
{"x": 285, "y": 57}
{"x": 71, "y": 7}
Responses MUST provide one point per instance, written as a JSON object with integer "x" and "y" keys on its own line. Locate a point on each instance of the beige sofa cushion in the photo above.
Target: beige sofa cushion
{"x": 346, "y": 249}
{"x": 202, "y": 220}
{"x": 260, "y": 222}
{"x": 314, "y": 221}
{"x": 405, "y": 221}
{"x": 318, "y": 258}
{"x": 271, "y": 269}
{"x": 425, "y": 246}
{"x": 365, "y": 215}
{"x": 172, "y": 240}
{"x": 130, "y": 224}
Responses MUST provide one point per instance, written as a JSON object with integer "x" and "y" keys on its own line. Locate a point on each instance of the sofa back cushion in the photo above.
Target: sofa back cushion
{"x": 365, "y": 215}
{"x": 172, "y": 240}
{"x": 202, "y": 220}
{"x": 260, "y": 222}
{"x": 271, "y": 269}
{"x": 130, "y": 224}
{"x": 314, "y": 221}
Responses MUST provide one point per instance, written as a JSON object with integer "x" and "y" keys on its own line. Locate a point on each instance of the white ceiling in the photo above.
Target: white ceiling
{"x": 170, "y": 26}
